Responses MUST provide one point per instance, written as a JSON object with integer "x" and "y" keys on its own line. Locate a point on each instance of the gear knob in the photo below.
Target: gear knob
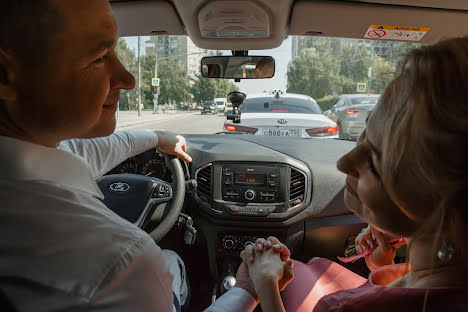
{"x": 228, "y": 282}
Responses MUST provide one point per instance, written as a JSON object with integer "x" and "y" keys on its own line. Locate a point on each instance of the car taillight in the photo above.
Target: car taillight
{"x": 351, "y": 111}
{"x": 323, "y": 131}
{"x": 236, "y": 128}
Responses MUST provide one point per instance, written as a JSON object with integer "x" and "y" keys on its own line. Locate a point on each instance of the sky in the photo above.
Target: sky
{"x": 282, "y": 56}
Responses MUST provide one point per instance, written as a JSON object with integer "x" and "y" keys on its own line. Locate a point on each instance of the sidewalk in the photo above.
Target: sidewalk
{"x": 131, "y": 118}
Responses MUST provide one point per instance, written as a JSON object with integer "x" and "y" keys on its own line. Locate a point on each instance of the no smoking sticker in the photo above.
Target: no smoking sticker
{"x": 401, "y": 33}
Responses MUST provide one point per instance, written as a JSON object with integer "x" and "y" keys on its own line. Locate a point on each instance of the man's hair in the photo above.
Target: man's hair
{"x": 26, "y": 26}
{"x": 266, "y": 64}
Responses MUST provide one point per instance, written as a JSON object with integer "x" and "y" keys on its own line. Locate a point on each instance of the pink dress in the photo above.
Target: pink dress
{"x": 325, "y": 285}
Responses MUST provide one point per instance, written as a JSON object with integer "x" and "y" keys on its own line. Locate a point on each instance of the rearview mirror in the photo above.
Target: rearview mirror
{"x": 238, "y": 67}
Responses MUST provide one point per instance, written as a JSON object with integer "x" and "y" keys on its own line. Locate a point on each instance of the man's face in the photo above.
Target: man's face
{"x": 75, "y": 93}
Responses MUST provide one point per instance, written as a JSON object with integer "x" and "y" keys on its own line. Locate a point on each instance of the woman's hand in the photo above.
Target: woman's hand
{"x": 248, "y": 255}
{"x": 266, "y": 269}
{"x": 376, "y": 245}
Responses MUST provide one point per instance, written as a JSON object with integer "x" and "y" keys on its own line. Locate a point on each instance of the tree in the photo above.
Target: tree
{"x": 315, "y": 72}
{"x": 173, "y": 87}
{"x": 128, "y": 60}
{"x": 383, "y": 73}
{"x": 204, "y": 89}
{"x": 354, "y": 62}
{"x": 223, "y": 87}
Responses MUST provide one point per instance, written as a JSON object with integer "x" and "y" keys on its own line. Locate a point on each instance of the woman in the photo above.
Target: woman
{"x": 406, "y": 177}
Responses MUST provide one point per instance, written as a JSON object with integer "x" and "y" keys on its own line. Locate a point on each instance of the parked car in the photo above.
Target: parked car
{"x": 350, "y": 112}
{"x": 221, "y": 104}
{"x": 283, "y": 115}
{"x": 209, "y": 107}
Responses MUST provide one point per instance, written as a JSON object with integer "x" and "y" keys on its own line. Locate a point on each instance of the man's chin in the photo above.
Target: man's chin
{"x": 102, "y": 129}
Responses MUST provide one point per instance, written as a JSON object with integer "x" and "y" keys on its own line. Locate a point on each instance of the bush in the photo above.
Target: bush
{"x": 326, "y": 102}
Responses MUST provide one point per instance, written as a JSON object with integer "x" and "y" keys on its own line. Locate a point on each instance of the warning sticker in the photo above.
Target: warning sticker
{"x": 403, "y": 33}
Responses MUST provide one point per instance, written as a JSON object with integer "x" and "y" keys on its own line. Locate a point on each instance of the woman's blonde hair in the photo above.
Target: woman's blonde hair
{"x": 426, "y": 111}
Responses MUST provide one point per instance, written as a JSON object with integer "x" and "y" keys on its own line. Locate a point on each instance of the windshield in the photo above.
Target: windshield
{"x": 311, "y": 73}
{"x": 365, "y": 100}
{"x": 281, "y": 105}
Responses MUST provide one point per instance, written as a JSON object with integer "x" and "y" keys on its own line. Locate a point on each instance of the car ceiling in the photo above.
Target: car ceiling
{"x": 275, "y": 20}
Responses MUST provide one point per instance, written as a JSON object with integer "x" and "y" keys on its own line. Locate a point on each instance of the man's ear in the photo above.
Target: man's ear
{"x": 7, "y": 77}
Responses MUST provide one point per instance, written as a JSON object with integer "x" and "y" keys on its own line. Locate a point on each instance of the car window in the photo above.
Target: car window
{"x": 281, "y": 105}
{"x": 364, "y": 100}
{"x": 341, "y": 102}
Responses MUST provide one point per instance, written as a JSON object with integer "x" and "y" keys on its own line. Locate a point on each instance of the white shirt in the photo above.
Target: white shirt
{"x": 61, "y": 248}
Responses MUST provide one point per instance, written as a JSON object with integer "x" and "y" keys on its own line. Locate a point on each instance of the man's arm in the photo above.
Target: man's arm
{"x": 235, "y": 300}
{"x": 140, "y": 281}
{"x": 103, "y": 154}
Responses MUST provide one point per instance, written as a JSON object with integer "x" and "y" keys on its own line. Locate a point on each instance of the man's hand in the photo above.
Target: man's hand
{"x": 172, "y": 144}
{"x": 243, "y": 280}
{"x": 248, "y": 254}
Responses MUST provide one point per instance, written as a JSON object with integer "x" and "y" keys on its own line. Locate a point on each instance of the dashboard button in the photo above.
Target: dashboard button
{"x": 249, "y": 194}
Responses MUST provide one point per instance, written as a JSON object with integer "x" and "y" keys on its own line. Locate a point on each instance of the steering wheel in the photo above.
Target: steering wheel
{"x": 139, "y": 199}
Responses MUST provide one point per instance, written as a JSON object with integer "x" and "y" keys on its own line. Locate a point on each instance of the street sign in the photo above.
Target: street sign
{"x": 155, "y": 82}
{"x": 361, "y": 87}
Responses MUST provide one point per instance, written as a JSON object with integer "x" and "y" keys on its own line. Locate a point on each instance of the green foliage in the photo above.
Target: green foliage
{"x": 324, "y": 67}
{"x": 128, "y": 60}
{"x": 223, "y": 87}
{"x": 173, "y": 86}
{"x": 315, "y": 71}
{"x": 203, "y": 89}
{"x": 206, "y": 89}
{"x": 354, "y": 62}
{"x": 326, "y": 102}
{"x": 383, "y": 73}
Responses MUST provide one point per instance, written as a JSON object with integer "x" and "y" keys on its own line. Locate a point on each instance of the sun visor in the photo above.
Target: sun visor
{"x": 145, "y": 18}
{"x": 361, "y": 20}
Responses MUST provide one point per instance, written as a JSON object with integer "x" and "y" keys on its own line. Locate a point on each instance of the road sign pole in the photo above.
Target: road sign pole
{"x": 155, "y": 98}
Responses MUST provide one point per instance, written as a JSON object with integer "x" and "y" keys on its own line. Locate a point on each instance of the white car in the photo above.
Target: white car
{"x": 283, "y": 115}
{"x": 220, "y": 104}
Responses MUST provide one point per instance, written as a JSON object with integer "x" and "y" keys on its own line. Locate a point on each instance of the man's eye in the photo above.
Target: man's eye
{"x": 100, "y": 60}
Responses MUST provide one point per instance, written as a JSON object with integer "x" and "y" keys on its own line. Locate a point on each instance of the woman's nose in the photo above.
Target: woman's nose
{"x": 348, "y": 164}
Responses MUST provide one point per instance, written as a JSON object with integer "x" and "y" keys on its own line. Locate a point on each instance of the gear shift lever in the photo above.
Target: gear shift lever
{"x": 228, "y": 282}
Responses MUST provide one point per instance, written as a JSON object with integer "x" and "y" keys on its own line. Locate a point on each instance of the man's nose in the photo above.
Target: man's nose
{"x": 121, "y": 78}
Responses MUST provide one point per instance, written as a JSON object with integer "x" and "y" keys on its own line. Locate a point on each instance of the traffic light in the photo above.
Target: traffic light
{"x": 155, "y": 89}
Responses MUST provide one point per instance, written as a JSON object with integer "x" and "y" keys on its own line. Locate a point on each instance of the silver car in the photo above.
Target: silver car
{"x": 350, "y": 112}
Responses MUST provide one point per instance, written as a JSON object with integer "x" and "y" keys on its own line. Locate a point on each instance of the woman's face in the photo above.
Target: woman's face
{"x": 365, "y": 194}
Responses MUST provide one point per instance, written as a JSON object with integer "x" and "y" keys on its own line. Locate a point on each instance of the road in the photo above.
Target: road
{"x": 193, "y": 123}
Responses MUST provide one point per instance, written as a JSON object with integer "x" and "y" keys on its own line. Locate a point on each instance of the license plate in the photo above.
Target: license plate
{"x": 282, "y": 132}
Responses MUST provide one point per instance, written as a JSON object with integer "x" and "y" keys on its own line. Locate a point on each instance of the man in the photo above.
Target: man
{"x": 265, "y": 68}
{"x": 62, "y": 248}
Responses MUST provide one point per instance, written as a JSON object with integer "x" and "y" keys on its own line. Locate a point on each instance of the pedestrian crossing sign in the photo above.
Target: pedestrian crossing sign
{"x": 361, "y": 87}
{"x": 155, "y": 82}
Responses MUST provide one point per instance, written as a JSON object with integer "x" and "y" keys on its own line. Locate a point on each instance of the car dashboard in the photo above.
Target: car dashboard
{"x": 254, "y": 186}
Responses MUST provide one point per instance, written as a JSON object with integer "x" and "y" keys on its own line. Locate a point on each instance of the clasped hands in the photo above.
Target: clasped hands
{"x": 264, "y": 263}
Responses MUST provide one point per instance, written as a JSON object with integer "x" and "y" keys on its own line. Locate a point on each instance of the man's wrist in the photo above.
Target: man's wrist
{"x": 249, "y": 289}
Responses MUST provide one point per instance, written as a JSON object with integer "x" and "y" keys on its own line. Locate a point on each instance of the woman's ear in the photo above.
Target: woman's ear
{"x": 7, "y": 77}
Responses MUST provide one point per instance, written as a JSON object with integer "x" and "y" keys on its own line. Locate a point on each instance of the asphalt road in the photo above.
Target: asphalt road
{"x": 187, "y": 124}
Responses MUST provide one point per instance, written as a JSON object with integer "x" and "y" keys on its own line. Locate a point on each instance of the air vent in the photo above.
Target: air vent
{"x": 204, "y": 183}
{"x": 297, "y": 188}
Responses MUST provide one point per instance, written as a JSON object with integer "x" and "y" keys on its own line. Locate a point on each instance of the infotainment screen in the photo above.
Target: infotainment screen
{"x": 250, "y": 179}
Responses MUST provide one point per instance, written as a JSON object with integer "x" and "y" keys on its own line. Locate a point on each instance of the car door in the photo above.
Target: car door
{"x": 331, "y": 112}
{"x": 339, "y": 109}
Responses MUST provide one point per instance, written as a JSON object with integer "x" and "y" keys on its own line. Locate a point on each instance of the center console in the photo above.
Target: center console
{"x": 250, "y": 189}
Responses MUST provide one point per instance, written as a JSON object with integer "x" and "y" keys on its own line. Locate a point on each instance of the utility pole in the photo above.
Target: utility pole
{"x": 371, "y": 68}
{"x": 155, "y": 97}
{"x": 139, "y": 79}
